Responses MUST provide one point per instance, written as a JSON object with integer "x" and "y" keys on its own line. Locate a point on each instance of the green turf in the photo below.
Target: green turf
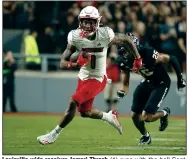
{"x": 87, "y": 136}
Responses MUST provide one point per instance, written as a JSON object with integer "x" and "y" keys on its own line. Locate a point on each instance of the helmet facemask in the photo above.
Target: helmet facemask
{"x": 89, "y": 20}
{"x": 133, "y": 38}
{"x": 124, "y": 52}
{"x": 88, "y": 25}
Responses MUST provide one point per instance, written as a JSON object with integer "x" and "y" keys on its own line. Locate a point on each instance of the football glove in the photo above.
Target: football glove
{"x": 137, "y": 64}
{"x": 120, "y": 94}
{"x": 181, "y": 83}
{"x": 83, "y": 60}
{"x": 69, "y": 64}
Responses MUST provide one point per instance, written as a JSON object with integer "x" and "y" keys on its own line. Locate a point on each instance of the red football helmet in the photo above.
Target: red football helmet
{"x": 89, "y": 20}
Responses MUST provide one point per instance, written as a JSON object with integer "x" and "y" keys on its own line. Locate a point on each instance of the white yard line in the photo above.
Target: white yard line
{"x": 168, "y": 133}
{"x": 178, "y": 124}
{"x": 146, "y": 147}
{"x": 176, "y": 128}
{"x": 167, "y": 139}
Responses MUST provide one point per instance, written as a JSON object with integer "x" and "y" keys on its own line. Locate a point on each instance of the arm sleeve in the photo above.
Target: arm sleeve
{"x": 173, "y": 60}
{"x": 111, "y": 34}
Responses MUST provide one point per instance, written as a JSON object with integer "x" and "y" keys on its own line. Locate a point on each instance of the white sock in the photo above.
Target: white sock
{"x": 57, "y": 129}
{"x": 164, "y": 112}
{"x": 105, "y": 116}
{"x": 147, "y": 134}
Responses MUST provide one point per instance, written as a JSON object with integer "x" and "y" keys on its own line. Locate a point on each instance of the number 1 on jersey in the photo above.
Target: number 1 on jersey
{"x": 93, "y": 57}
{"x": 93, "y": 61}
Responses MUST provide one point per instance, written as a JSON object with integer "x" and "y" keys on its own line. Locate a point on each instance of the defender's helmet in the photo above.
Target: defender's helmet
{"x": 122, "y": 50}
{"x": 133, "y": 38}
{"x": 89, "y": 13}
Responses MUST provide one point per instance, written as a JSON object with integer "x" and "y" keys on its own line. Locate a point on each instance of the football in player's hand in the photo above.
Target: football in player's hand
{"x": 74, "y": 56}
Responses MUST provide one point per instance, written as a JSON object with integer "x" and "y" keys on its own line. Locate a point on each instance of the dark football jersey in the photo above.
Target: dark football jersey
{"x": 150, "y": 70}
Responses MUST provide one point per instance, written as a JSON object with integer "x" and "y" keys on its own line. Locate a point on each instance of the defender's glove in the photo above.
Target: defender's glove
{"x": 137, "y": 64}
{"x": 120, "y": 94}
{"x": 181, "y": 83}
{"x": 83, "y": 60}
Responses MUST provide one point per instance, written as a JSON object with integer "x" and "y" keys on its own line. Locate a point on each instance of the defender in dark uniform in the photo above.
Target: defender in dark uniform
{"x": 152, "y": 90}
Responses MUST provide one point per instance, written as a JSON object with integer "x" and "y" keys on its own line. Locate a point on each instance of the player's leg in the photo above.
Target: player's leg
{"x": 114, "y": 96}
{"x": 87, "y": 111}
{"x": 69, "y": 114}
{"x": 108, "y": 104}
{"x": 110, "y": 96}
{"x": 90, "y": 89}
{"x": 107, "y": 97}
{"x": 111, "y": 117}
{"x": 115, "y": 104}
{"x": 86, "y": 90}
{"x": 83, "y": 99}
{"x": 150, "y": 113}
{"x": 139, "y": 123}
{"x": 67, "y": 118}
{"x": 70, "y": 111}
{"x": 140, "y": 97}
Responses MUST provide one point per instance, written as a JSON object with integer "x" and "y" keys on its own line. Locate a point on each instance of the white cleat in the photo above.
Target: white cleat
{"x": 113, "y": 120}
{"x": 48, "y": 138}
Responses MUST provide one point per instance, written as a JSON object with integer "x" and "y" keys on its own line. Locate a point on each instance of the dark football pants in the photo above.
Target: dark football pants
{"x": 148, "y": 97}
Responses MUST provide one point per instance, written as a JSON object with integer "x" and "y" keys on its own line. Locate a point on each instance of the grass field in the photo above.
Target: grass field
{"x": 87, "y": 136}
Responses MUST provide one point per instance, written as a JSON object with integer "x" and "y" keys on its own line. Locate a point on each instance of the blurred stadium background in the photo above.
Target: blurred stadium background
{"x": 40, "y": 85}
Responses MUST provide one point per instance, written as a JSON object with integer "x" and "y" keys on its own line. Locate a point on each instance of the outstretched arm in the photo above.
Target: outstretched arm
{"x": 164, "y": 58}
{"x": 124, "y": 39}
